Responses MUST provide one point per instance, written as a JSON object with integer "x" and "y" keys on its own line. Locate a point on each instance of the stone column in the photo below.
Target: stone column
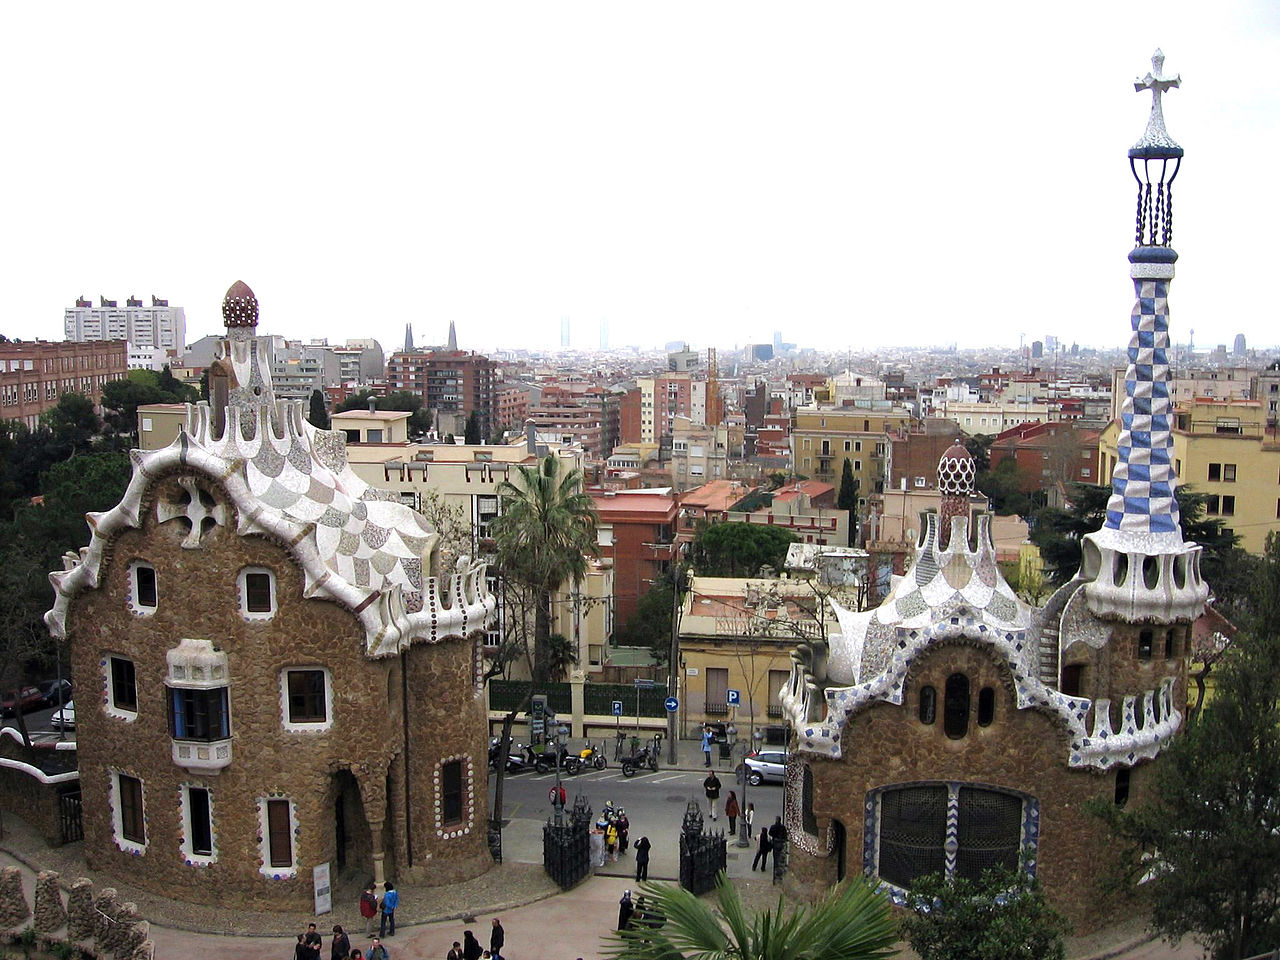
{"x": 13, "y": 903}
{"x": 372, "y": 781}
{"x": 50, "y": 915}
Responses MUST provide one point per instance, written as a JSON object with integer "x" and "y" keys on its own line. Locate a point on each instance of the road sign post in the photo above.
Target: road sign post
{"x": 734, "y": 698}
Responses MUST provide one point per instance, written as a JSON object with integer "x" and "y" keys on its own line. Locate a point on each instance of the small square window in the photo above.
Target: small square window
{"x": 1212, "y": 505}
{"x": 1215, "y": 472}
{"x": 257, "y": 587}
{"x": 306, "y": 699}
{"x": 144, "y": 590}
{"x": 1228, "y": 473}
{"x": 1228, "y": 506}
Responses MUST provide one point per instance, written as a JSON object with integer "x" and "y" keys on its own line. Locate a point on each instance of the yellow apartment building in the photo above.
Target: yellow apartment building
{"x": 1224, "y": 448}
{"x": 823, "y": 438}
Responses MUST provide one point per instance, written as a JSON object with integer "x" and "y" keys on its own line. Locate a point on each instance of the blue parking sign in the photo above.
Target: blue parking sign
{"x": 735, "y": 698}
{"x": 617, "y": 708}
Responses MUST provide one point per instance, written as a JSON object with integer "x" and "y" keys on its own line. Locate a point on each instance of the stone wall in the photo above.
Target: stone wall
{"x": 1022, "y": 750}
{"x": 37, "y": 803}
{"x": 198, "y": 597}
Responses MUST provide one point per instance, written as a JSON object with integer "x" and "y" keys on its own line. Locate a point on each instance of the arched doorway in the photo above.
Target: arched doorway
{"x": 353, "y": 840}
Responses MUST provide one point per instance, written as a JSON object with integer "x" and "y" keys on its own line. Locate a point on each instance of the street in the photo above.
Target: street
{"x": 655, "y": 805}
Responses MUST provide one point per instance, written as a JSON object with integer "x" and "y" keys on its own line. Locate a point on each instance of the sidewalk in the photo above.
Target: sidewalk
{"x": 541, "y": 923}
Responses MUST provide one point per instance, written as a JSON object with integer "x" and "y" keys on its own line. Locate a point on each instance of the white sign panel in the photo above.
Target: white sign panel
{"x": 323, "y": 893}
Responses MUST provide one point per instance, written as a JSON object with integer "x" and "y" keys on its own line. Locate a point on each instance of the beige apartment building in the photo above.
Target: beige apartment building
{"x": 823, "y": 438}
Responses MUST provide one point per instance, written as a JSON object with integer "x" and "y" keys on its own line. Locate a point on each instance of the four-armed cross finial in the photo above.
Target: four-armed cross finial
{"x": 1157, "y": 83}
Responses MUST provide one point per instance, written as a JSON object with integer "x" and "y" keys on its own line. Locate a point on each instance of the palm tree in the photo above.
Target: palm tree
{"x": 546, "y": 530}
{"x": 852, "y": 922}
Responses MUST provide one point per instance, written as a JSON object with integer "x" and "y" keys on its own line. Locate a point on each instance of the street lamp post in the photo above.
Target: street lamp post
{"x": 744, "y": 830}
{"x": 557, "y": 733}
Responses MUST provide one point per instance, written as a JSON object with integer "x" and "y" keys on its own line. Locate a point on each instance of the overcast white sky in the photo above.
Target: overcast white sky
{"x": 852, "y": 174}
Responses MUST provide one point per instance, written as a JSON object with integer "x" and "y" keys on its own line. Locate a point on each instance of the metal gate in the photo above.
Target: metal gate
{"x": 566, "y": 846}
{"x": 702, "y": 855}
{"x": 71, "y": 827}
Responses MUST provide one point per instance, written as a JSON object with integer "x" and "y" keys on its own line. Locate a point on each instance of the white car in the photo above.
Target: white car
{"x": 762, "y": 766}
{"x": 65, "y": 718}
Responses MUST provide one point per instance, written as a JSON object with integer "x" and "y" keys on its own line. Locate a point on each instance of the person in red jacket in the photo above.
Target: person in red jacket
{"x": 368, "y": 908}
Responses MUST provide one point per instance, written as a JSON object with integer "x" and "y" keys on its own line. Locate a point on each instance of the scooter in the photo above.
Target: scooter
{"x": 519, "y": 757}
{"x": 546, "y": 762}
{"x": 593, "y": 757}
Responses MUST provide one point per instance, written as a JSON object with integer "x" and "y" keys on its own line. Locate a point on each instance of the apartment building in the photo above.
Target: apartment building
{"x": 453, "y": 385}
{"x": 33, "y": 375}
{"x": 158, "y": 326}
{"x": 824, "y": 437}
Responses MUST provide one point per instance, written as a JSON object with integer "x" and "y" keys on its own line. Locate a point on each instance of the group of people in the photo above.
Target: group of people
{"x": 372, "y": 906}
{"x": 732, "y": 809}
{"x": 772, "y": 839}
{"x": 310, "y": 944}
{"x": 470, "y": 949}
{"x": 634, "y": 915}
{"x": 610, "y": 837}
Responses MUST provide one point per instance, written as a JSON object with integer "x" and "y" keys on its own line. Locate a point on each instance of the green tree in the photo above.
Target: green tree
{"x": 543, "y": 536}
{"x": 1006, "y": 486}
{"x": 852, "y": 922}
{"x": 1206, "y": 846}
{"x": 473, "y": 437}
{"x": 739, "y": 549}
{"x": 317, "y": 415}
{"x": 1001, "y": 916}
{"x": 401, "y": 400}
{"x": 979, "y": 447}
{"x": 650, "y": 625}
{"x": 847, "y": 498}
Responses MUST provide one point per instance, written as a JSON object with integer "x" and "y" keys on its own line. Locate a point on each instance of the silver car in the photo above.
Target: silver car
{"x": 65, "y": 717}
{"x": 762, "y": 766}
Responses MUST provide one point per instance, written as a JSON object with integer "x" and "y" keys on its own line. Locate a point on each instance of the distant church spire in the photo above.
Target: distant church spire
{"x": 408, "y": 338}
{"x": 452, "y": 345}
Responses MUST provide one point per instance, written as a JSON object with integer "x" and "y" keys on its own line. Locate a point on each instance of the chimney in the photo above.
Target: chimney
{"x": 373, "y": 405}
{"x": 530, "y": 438}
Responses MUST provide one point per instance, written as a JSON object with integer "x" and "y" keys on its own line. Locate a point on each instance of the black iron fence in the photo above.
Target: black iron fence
{"x": 566, "y": 846}
{"x": 597, "y": 698}
{"x": 702, "y": 855}
{"x": 70, "y": 824}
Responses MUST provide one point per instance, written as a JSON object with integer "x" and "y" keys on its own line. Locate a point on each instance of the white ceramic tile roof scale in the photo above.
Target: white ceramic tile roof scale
{"x": 356, "y": 544}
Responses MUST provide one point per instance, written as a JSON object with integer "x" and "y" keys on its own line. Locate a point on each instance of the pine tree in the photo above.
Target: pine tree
{"x": 847, "y": 498}
{"x": 318, "y": 416}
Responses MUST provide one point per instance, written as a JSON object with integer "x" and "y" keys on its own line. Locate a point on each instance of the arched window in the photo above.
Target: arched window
{"x": 1122, "y": 786}
{"x": 955, "y": 708}
{"x": 1145, "y": 639}
{"x": 928, "y": 705}
{"x": 986, "y": 706}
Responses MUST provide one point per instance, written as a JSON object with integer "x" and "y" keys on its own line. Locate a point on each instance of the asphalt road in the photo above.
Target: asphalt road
{"x": 38, "y": 722}
{"x": 655, "y": 805}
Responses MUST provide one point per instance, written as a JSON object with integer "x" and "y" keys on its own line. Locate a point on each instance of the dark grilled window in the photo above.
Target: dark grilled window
{"x": 955, "y": 707}
{"x": 124, "y": 687}
{"x": 989, "y": 833}
{"x": 1145, "y": 640}
{"x": 306, "y": 696}
{"x": 132, "y": 823}
{"x": 451, "y": 792}
{"x": 201, "y": 822}
{"x": 257, "y": 592}
{"x": 279, "y": 834}
{"x": 913, "y": 831}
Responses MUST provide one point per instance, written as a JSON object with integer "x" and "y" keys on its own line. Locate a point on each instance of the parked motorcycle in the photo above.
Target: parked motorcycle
{"x": 546, "y": 762}
{"x": 591, "y": 756}
{"x": 648, "y": 757}
{"x": 520, "y": 757}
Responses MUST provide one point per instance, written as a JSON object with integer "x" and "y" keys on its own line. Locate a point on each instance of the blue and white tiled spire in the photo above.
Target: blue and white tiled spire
{"x": 1137, "y": 565}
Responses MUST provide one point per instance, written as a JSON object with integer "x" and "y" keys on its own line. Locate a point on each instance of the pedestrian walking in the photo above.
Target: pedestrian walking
{"x": 642, "y": 859}
{"x": 732, "y": 810}
{"x": 711, "y": 787}
{"x": 471, "y": 949}
{"x": 497, "y": 937}
{"x": 369, "y": 907}
{"x": 762, "y": 854}
{"x": 390, "y": 900}
{"x": 706, "y": 746}
{"x": 749, "y": 817}
{"x": 624, "y": 825}
{"x": 313, "y": 941}
{"x": 625, "y": 909}
{"x": 340, "y": 948}
{"x": 377, "y": 951}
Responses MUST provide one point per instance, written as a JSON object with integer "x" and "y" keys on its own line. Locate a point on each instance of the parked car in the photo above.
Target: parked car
{"x": 764, "y": 765}
{"x": 25, "y": 698}
{"x": 65, "y": 718}
{"x": 54, "y": 692}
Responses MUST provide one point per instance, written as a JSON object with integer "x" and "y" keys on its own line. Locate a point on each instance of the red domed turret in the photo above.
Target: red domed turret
{"x": 240, "y": 306}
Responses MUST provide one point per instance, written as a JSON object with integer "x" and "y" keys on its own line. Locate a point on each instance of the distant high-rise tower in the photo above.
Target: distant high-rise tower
{"x": 452, "y": 344}
{"x": 564, "y": 331}
{"x": 1238, "y": 347}
{"x": 408, "y": 338}
{"x": 604, "y": 333}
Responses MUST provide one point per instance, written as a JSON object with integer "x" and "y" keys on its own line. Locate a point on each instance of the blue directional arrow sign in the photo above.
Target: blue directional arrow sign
{"x": 735, "y": 698}
{"x": 672, "y": 704}
{"x": 617, "y": 708}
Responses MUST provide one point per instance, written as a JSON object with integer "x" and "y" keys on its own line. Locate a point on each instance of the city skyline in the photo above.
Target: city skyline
{"x": 851, "y": 178}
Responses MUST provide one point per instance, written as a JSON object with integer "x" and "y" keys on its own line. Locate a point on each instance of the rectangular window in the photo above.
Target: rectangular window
{"x": 279, "y": 834}
{"x": 1228, "y": 506}
{"x": 717, "y": 691}
{"x": 1228, "y": 473}
{"x": 257, "y": 592}
{"x": 1215, "y": 472}
{"x": 451, "y": 791}
{"x": 132, "y": 824}
{"x": 1212, "y": 505}
{"x": 201, "y": 822}
{"x": 198, "y": 714}
{"x": 124, "y": 688}
{"x": 145, "y": 585}
{"x": 848, "y": 445}
{"x": 306, "y": 696}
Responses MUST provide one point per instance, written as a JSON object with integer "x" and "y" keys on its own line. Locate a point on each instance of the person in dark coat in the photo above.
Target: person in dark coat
{"x": 762, "y": 854}
{"x": 471, "y": 948}
{"x": 625, "y": 909}
{"x": 642, "y": 859}
{"x": 340, "y": 949}
{"x": 497, "y": 938}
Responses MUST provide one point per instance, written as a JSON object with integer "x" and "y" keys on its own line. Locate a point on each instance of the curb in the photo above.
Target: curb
{"x": 1120, "y": 951}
